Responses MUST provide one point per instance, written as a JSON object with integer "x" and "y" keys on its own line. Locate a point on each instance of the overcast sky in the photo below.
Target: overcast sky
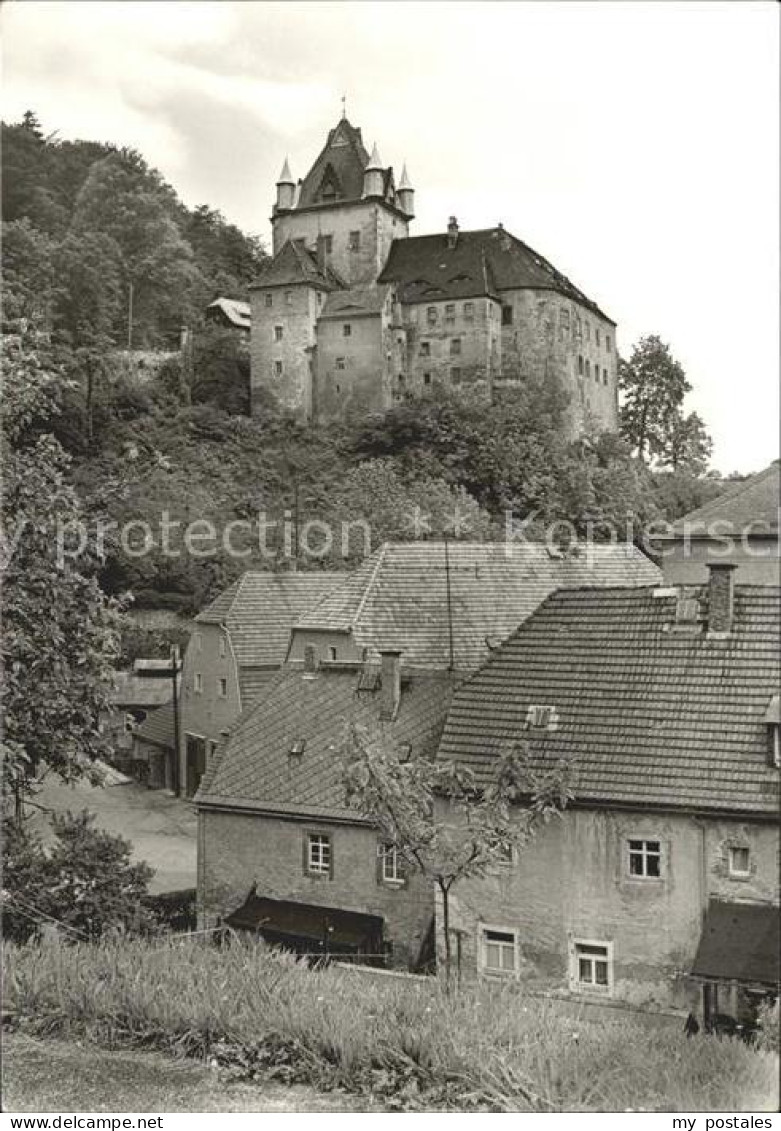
{"x": 634, "y": 145}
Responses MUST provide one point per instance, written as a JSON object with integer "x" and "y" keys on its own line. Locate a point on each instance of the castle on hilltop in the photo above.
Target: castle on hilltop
{"x": 352, "y": 312}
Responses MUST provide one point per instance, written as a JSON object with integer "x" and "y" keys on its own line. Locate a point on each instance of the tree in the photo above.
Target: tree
{"x": 654, "y": 385}
{"x": 437, "y": 817}
{"x": 687, "y": 445}
{"x": 60, "y": 633}
{"x": 85, "y": 881}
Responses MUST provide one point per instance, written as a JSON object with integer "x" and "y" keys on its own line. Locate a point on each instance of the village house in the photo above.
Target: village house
{"x": 136, "y": 695}
{"x": 352, "y": 313}
{"x": 659, "y": 885}
{"x": 740, "y": 526}
{"x": 280, "y": 851}
{"x": 238, "y": 643}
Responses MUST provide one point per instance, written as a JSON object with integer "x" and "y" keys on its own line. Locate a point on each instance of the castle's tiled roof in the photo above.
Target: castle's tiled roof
{"x": 357, "y": 301}
{"x": 158, "y": 727}
{"x": 483, "y": 262}
{"x": 398, "y": 598}
{"x": 754, "y": 500}
{"x": 649, "y": 715}
{"x": 255, "y": 770}
{"x": 294, "y": 264}
{"x": 260, "y": 609}
{"x": 343, "y": 158}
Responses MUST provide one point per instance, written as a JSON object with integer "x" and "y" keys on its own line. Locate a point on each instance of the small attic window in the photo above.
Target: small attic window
{"x": 369, "y": 679}
{"x": 687, "y": 606}
{"x": 310, "y": 659}
{"x": 297, "y": 747}
{"x": 540, "y": 717}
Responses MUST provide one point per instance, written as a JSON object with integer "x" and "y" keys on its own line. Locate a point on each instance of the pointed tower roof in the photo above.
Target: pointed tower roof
{"x": 404, "y": 182}
{"x": 374, "y": 160}
{"x": 286, "y": 177}
{"x": 345, "y": 153}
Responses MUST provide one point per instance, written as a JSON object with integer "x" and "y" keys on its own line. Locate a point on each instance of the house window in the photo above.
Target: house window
{"x": 739, "y": 861}
{"x": 604, "y": 376}
{"x": 198, "y": 683}
{"x": 580, "y": 364}
{"x": 278, "y": 333}
{"x": 469, "y": 311}
{"x": 277, "y": 368}
{"x": 607, "y": 342}
{"x": 498, "y": 951}
{"x": 455, "y": 347}
{"x": 310, "y": 656}
{"x": 223, "y": 647}
{"x": 198, "y": 642}
{"x": 331, "y": 653}
{"x": 318, "y": 854}
{"x": 338, "y": 388}
{"x": 340, "y": 363}
{"x": 328, "y": 244}
{"x": 593, "y": 966}
{"x": 431, "y": 315}
{"x": 588, "y": 331}
{"x": 596, "y": 335}
{"x": 288, "y": 298}
{"x": 645, "y": 859}
{"x": 450, "y": 312}
{"x": 507, "y": 315}
{"x": 564, "y": 318}
{"x": 425, "y": 349}
{"x": 269, "y": 300}
{"x": 588, "y": 368}
{"x": 455, "y": 375}
{"x": 222, "y": 688}
{"x": 354, "y": 242}
{"x": 390, "y": 864}
{"x": 347, "y": 330}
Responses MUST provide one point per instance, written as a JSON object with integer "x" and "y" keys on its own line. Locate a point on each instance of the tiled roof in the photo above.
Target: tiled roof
{"x": 482, "y": 262}
{"x": 650, "y": 715}
{"x": 398, "y": 597}
{"x": 357, "y": 301}
{"x": 158, "y": 727}
{"x": 739, "y": 941}
{"x": 254, "y": 769}
{"x": 343, "y": 160}
{"x": 131, "y": 690}
{"x": 260, "y": 609}
{"x": 292, "y": 264}
{"x": 755, "y": 500}
{"x": 251, "y": 683}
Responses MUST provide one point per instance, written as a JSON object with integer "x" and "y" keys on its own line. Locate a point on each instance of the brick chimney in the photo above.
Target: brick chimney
{"x": 390, "y": 683}
{"x": 452, "y": 232}
{"x": 721, "y": 594}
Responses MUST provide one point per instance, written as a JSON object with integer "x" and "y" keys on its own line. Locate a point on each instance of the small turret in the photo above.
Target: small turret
{"x": 374, "y": 175}
{"x": 405, "y": 194}
{"x": 286, "y": 189}
{"x": 452, "y": 232}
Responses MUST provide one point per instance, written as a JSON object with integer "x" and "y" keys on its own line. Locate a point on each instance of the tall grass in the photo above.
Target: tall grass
{"x": 488, "y": 1047}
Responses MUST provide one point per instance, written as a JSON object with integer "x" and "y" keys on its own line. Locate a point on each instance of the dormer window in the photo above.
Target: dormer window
{"x": 539, "y": 717}
{"x": 297, "y": 747}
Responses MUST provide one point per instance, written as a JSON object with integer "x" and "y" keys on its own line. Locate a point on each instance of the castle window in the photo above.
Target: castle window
{"x": 354, "y": 241}
{"x": 328, "y": 244}
{"x": 426, "y": 378}
{"x": 739, "y": 861}
{"x": 580, "y": 364}
{"x": 450, "y": 312}
{"x": 401, "y": 378}
{"x": 277, "y": 368}
{"x": 269, "y": 300}
{"x": 431, "y": 315}
{"x": 278, "y": 333}
{"x": 469, "y": 310}
{"x": 340, "y": 363}
{"x": 607, "y": 342}
{"x": 455, "y": 375}
{"x": 588, "y": 368}
{"x": 588, "y": 331}
{"x": 564, "y": 318}
{"x": 425, "y": 349}
{"x": 338, "y": 388}
{"x": 455, "y": 347}
{"x": 288, "y": 298}
{"x": 596, "y": 335}
{"x": 507, "y": 315}
{"x": 318, "y": 858}
{"x": 604, "y": 376}
{"x": 222, "y": 688}
{"x": 346, "y": 330}
{"x": 198, "y": 683}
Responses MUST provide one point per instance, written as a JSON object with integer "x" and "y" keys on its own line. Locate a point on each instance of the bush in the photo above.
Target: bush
{"x": 488, "y": 1048}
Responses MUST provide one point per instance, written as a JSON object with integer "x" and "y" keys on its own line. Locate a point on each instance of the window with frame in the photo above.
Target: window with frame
{"x": 198, "y": 642}
{"x": 580, "y": 364}
{"x": 607, "y": 342}
{"x": 604, "y": 376}
{"x": 269, "y": 300}
{"x": 597, "y": 335}
{"x": 198, "y": 683}
{"x": 450, "y": 312}
{"x": 645, "y": 859}
{"x": 499, "y": 951}
{"x": 425, "y": 349}
{"x": 593, "y": 966}
{"x": 222, "y": 687}
{"x": 564, "y": 318}
{"x": 319, "y": 857}
{"x": 340, "y": 363}
{"x": 507, "y": 315}
{"x": 469, "y": 310}
{"x": 278, "y": 333}
{"x": 588, "y": 368}
{"x": 455, "y": 375}
{"x": 354, "y": 241}
{"x": 455, "y": 347}
{"x": 277, "y": 368}
{"x": 426, "y": 378}
{"x": 391, "y": 871}
{"x": 288, "y": 298}
{"x": 328, "y": 244}
{"x": 347, "y": 330}
{"x": 431, "y": 315}
{"x": 739, "y": 860}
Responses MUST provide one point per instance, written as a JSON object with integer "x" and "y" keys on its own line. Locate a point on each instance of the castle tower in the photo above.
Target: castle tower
{"x": 286, "y": 189}
{"x": 405, "y": 194}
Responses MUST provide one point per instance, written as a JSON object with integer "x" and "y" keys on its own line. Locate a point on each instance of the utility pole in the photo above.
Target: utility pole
{"x": 130, "y": 316}
{"x": 176, "y": 777}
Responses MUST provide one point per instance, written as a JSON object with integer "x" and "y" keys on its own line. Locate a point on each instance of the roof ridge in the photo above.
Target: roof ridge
{"x": 362, "y": 603}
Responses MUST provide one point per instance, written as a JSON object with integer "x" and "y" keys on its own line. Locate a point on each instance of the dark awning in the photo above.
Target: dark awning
{"x": 739, "y": 942}
{"x": 306, "y": 921}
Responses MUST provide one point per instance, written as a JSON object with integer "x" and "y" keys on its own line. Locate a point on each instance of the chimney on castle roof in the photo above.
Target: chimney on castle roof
{"x": 390, "y": 683}
{"x": 452, "y": 232}
{"x": 721, "y": 597}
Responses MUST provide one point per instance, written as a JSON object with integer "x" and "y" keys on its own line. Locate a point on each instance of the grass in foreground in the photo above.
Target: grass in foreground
{"x": 263, "y": 1015}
